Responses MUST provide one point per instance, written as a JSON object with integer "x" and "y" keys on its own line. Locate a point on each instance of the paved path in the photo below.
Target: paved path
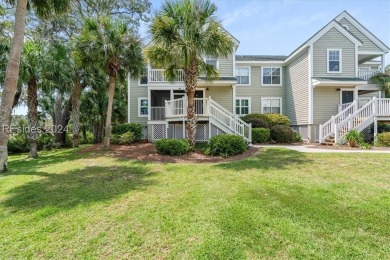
{"x": 307, "y": 149}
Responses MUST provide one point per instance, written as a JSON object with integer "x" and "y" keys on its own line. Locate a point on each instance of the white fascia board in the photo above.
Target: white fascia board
{"x": 363, "y": 30}
{"x": 338, "y": 27}
{"x": 296, "y": 53}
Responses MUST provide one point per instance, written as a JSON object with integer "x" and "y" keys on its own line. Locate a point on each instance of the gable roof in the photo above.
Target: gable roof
{"x": 260, "y": 57}
{"x": 363, "y": 30}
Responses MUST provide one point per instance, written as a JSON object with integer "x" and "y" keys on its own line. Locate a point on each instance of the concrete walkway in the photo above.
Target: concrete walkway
{"x": 312, "y": 149}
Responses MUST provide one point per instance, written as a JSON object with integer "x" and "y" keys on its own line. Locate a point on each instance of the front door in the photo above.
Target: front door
{"x": 199, "y": 106}
{"x": 347, "y": 96}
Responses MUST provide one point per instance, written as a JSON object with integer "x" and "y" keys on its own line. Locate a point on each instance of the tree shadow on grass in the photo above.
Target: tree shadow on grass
{"x": 267, "y": 159}
{"x": 87, "y": 185}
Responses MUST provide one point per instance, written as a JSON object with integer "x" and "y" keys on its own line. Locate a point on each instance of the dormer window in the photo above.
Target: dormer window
{"x": 334, "y": 60}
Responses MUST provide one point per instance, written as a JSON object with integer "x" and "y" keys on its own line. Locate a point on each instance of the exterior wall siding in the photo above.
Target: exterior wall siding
{"x": 256, "y": 91}
{"x": 221, "y": 95}
{"x": 137, "y": 91}
{"x": 367, "y": 45}
{"x": 297, "y": 91}
{"x": 226, "y": 66}
{"x": 333, "y": 39}
{"x": 326, "y": 101}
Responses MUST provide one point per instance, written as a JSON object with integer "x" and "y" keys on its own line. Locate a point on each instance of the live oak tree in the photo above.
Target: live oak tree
{"x": 182, "y": 34}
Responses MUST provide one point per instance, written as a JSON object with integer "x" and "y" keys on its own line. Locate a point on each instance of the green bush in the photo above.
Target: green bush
{"x": 282, "y": 134}
{"x": 45, "y": 142}
{"x": 270, "y": 119}
{"x": 18, "y": 144}
{"x": 383, "y": 139}
{"x": 260, "y": 135}
{"x": 297, "y": 137}
{"x": 277, "y": 119}
{"x": 126, "y": 138}
{"x": 172, "y": 147}
{"x": 258, "y": 123}
{"x": 134, "y": 128}
{"x": 226, "y": 145}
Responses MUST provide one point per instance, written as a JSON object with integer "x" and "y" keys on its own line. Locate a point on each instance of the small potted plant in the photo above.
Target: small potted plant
{"x": 353, "y": 137}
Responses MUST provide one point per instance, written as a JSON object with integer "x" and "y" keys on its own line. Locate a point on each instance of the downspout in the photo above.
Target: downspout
{"x": 128, "y": 99}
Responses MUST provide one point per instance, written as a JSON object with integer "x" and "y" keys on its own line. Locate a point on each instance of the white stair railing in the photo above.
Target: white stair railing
{"x": 227, "y": 121}
{"x": 356, "y": 120}
{"x": 328, "y": 128}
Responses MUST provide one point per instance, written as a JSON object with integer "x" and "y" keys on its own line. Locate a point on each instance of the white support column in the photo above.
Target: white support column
{"x": 128, "y": 99}
{"x": 383, "y": 63}
{"x": 356, "y": 97}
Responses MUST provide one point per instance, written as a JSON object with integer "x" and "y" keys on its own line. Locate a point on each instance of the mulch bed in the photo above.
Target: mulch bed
{"x": 147, "y": 152}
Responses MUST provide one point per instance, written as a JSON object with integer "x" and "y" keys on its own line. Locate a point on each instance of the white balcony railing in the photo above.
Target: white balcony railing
{"x": 367, "y": 74}
{"x": 157, "y": 76}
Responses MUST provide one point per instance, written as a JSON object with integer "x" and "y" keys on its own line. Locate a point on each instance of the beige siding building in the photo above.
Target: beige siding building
{"x": 317, "y": 86}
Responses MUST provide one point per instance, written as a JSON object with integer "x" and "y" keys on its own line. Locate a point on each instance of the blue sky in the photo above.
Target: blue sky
{"x": 279, "y": 26}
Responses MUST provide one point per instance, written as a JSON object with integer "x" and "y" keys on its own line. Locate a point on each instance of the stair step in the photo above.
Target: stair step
{"x": 327, "y": 143}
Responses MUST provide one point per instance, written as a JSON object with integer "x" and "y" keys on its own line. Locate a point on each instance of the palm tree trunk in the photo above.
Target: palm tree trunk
{"x": 32, "y": 115}
{"x": 191, "y": 78}
{"x": 76, "y": 95}
{"x": 111, "y": 93}
{"x": 11, "y": 80}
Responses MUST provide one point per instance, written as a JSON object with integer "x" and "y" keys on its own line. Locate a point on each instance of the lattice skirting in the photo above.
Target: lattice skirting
{"x": 176, "y": 131}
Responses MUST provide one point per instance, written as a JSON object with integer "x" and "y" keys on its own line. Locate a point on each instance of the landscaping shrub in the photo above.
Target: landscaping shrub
{"x": 172, "y": 146}
{"x": 282, "y": 134}
{"x": 126, "y": 138}
{"x": 134, "y": 128}
{"x": 226, "y": 145}
{"x": 270, "y": 119}
{"x": 260, "y": 135}
{"x": 45, "y": 142}
{"x": 18, "y": 144}
{"x": 277, "y": 119}
{"x": 297, "y": 137}
{"x": 383, "y": 139}
{"x": 258, "y": 123}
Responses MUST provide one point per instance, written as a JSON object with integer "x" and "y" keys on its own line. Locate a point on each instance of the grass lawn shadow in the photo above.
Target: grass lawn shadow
{"x": 268, "y": 159}
{"x": 69, "y": 189}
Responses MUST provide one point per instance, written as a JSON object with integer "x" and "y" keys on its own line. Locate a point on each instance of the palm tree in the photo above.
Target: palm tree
{"x": 183, "y": 33}
{"x": 112, "y": 46}
{"x": 30, "y": 69}
{"x": 43, "y": 8}
{"x": 382, "y": 80}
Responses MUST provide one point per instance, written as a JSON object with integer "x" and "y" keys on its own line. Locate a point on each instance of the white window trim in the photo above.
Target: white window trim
{"x": 249, "y": 105}
{"x": 244, "y": 67}
{"x": 281, "y": 103}
{"x": 205, "y": 59}
{"x": 365, "y": 68}
{"x": 139, "y": 106}
{"x": 147, "y": 75}
{"x": 340, "y": 61}
{"x": 272, "y": 67}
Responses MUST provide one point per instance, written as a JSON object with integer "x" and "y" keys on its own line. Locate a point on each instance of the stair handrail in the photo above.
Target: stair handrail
{"x": 328, "y": 127}
{"x": 367, "y": 112}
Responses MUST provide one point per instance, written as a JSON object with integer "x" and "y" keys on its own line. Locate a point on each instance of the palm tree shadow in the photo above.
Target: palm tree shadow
{"x": 270, "y": 158}
{"x": 88, "y": 185}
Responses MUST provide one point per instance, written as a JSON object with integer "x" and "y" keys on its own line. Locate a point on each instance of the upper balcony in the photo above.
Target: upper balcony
{"x": 367, "y": 74}
{"x": 157, "y": 76}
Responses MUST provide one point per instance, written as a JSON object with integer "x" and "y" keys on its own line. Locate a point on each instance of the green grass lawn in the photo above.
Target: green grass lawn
{"x": 278, "y": 204}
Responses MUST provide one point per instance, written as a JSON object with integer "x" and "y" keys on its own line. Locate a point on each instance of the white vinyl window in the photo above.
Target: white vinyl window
{"x": 243, "y": 106}
{"x": 212, "y": 61}
{"x": 243, "y": 75}
{"x": 334, "y": 60}
{"x": 271, "y": 105}
{"x": 271, "y": 76}
{"x": 143, "y": 107}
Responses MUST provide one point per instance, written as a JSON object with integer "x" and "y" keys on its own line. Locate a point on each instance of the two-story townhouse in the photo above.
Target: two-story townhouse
{"x": 318, "y": 86}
